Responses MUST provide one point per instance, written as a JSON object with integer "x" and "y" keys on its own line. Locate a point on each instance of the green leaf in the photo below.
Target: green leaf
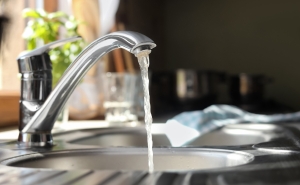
{"x": 41, "y": 32}
{"x": 27, "y": 12}
{"x": 74, "y": 48}
{"x": 42, "y": 13}
{"x": 28, "y": 33}
{"x": 67, "y": 52}
{"x": 55, "y": 26}
{"x": 31, "y": 23}
{"x": 55, "y": 15}
{"x": 31, "y": 44}
{"x": 71, "y": 25}
{"x": 44, "y": 28}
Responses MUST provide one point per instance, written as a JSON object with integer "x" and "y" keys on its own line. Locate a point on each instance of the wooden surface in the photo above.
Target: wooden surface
{"x": 50, "y": 5}
{"x": 9, "y": 108}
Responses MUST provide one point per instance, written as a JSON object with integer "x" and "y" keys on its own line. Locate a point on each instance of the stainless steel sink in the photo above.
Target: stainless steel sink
{"x": 165, "y": 159}
{"x": 232, "y": 135}
{"x": 70, "y": 163}
{"x": 134, "y": 138}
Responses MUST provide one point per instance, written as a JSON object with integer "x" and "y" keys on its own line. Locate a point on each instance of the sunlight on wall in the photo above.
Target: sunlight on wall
{"x": 12, "y": 46}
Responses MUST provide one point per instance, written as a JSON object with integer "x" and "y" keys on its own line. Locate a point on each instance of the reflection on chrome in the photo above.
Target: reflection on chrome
{"x": 276, "y": 151}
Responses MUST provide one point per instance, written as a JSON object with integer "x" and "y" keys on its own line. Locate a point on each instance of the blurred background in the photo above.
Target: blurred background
{"x": 243, "y": 53}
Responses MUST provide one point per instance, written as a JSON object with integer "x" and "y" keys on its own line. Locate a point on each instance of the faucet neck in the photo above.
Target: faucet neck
{"x": 44, "y": 119}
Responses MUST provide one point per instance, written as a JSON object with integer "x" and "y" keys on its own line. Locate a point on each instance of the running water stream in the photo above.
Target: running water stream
{"x": 143, "y": 59}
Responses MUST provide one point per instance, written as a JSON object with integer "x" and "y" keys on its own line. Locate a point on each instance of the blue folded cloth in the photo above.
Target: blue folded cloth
{"x": 188, "y": 125}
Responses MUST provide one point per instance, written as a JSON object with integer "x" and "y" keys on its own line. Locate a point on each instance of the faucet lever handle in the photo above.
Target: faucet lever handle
{"x": 46, "y": 48}
{"x": 36, "y": 81}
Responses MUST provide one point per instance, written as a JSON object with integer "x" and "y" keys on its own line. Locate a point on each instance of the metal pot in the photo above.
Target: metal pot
{"x": 247, "y": 89}
{"x": 185, "y": 89}
{"x": 194, "y": 85}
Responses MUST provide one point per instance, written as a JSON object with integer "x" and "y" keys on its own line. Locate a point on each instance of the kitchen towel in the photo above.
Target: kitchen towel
{"x": 188, "y": 125}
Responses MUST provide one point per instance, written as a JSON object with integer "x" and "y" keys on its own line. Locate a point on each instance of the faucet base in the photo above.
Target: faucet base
{"x": 35, "y": 139}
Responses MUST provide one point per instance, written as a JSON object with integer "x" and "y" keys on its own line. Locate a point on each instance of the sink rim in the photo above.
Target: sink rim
{"x": 245, "y": 156}
{"x": 123, "y": 132}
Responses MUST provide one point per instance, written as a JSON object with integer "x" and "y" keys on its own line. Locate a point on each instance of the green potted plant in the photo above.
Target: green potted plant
{"x": 43, "y": 28}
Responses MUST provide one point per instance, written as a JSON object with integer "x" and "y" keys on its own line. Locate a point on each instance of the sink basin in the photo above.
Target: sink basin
{"x": 135, "y": 138}
{"x": 165, "y": 159}
{"x": 227, "y": 136}
{"x": 230, "y": 137}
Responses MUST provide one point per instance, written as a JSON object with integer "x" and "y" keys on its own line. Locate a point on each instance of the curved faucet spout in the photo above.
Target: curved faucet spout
{"x": 43, "y": 120}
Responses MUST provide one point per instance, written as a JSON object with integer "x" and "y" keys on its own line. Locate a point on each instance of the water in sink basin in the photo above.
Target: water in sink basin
{"x": 166, "y": 159}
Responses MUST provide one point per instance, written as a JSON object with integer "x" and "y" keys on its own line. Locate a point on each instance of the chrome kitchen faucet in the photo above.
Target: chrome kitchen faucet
{"x": 39, "y": 107}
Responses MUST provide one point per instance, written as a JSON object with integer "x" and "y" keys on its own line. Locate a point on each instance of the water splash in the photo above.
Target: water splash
{"x": 143, "y": 59}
